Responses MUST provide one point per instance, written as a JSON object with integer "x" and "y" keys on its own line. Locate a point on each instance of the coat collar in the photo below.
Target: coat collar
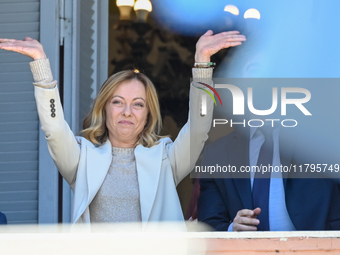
{"x": 90, "y": 175}
{"x": 98, "y": 163}
{"x": 148, "y": 162}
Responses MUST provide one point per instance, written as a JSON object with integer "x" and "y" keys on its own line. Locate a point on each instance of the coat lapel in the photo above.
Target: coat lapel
{"x": 240, "y": 157}
{"x": 148, "y": 162}
{"x": 98, "y": 164}
{"x": 91, "y": 176}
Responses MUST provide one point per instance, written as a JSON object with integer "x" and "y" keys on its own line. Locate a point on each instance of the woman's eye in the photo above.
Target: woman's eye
{"x": 139, "y": 104}
{"x": 116, "y": 102}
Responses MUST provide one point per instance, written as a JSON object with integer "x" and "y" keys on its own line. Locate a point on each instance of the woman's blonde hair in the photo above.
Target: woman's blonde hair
{"x": 94, "y": 125}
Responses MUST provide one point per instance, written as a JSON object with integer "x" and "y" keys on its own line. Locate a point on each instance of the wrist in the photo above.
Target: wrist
{"x": 201, "y": 59}
{"x": 204, "y": 65}
{"x": 39, "y": 54}
{"x": 39, "y": 57}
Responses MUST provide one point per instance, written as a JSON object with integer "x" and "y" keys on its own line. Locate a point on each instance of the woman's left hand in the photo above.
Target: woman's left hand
{"x": 209, "y": 44}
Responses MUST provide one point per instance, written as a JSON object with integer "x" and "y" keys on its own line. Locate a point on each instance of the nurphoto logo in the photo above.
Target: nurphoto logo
{"x": 238, "y": 105}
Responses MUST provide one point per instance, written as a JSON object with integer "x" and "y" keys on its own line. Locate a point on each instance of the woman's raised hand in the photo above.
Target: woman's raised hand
{"x": 209, "y": 44}
{"x": 28, "y": 47}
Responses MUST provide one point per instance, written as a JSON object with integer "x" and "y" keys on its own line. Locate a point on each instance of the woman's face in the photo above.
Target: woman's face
{"x": 126, "y": 114}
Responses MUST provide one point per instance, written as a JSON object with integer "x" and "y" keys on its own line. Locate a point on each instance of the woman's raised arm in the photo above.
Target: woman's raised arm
{"x": 184, "y": 152}
{"x": 61, "y": 141}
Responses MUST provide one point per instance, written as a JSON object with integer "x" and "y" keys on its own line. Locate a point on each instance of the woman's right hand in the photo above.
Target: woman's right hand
{"x": 28, "y": 47}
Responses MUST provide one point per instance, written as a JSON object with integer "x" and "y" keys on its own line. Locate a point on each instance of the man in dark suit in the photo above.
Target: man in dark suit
{"x": 227, "y": 204}
{"x": 3, "y": 219}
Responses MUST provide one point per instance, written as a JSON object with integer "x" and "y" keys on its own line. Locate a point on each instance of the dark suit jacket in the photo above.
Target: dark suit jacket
{"x": 312, "y": 204}
{"x": 3, "y": 219}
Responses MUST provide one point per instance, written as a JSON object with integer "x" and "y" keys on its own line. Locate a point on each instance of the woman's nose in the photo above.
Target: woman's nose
{"x": 127, "y": 111}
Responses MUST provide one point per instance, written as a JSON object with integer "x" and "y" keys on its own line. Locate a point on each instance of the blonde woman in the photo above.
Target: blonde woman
{"x": 120, "y": 169}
